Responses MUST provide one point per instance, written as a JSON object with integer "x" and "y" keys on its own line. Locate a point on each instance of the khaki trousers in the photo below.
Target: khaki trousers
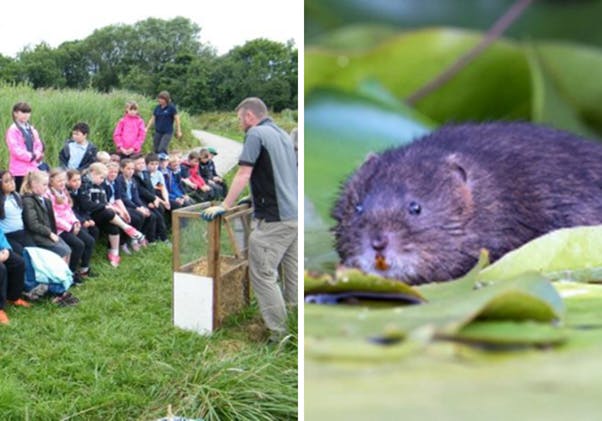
{"x": 272, "y": 244}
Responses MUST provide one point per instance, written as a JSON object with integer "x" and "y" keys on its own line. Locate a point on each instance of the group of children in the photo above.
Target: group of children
{"x": 125, "y": 195}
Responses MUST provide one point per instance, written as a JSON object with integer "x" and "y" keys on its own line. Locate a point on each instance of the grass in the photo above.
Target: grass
{"x": 226, "y": 123}
{"x": 54, "y": 112}
{"x": 117, "y": 356}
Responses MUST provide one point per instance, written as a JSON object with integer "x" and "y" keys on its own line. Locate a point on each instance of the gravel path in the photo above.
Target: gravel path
{"x": 228, "y": 150}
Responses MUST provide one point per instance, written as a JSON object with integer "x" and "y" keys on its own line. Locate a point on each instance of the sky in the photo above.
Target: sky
{"x": 224, "y": 23}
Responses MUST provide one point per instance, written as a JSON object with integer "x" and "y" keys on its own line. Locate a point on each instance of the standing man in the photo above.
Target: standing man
{"x": 268, "y": 161}
{"x": 164, "y": 116}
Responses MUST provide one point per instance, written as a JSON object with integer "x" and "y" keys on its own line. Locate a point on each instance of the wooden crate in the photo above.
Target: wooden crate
{"x": 210, "y": 276}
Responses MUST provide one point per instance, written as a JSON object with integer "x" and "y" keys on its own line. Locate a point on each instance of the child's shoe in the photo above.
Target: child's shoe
{"x": 114, "y": 259}
{"x": 125, "y": 249}
{"x": 19, "y": 302}
{"x": 88, "y": 274}
{"x": 134, "y": 233}
{"x": 3, "y": 318}
{"x": 77, "y": 279}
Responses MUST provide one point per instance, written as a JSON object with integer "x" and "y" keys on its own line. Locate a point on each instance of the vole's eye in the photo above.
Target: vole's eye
{"x": 414, "y": 208}
{"x": 359, "y": 209}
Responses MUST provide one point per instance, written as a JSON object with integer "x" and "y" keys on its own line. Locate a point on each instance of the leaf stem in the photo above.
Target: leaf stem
{"x": 513, "y": 13}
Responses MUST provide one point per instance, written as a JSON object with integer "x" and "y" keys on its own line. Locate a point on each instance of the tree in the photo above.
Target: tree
{"x": 40, "y": 66}
{"x": 258, "y": 68}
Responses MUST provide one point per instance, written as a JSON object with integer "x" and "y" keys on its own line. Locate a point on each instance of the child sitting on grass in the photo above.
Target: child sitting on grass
{"x": 74, "y": 183}
{"x": 78, "y": 152}
{"x": 11, "y": 215}
{"x": 38, "y": 215}
{"x": 141, "y": 217}
{"x": 12, "y": 278}
{"x": 173, "y": 179}
{"x": 194, "y": 185}
{"x": 69, "y": 228}
{"x": 157, "y": 179}
{"x": 209, "y": 173}
{"x": 93, "y": 199}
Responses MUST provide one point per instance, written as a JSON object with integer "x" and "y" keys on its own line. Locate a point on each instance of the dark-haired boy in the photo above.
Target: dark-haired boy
{"x": 78, "y": 152}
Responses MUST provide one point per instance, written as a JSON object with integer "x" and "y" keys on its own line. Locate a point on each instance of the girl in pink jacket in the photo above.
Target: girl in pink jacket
{"x": 68, "y": 227}
{"x": 25, "y": 148}
{"x": 130, "y": 132}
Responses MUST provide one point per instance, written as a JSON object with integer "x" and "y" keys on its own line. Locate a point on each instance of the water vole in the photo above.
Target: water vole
{"x": 422, "y": 212}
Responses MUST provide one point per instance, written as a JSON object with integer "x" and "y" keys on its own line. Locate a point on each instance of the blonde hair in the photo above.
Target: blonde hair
{"x": 98, "y": 168}
{"x": 35, "y": 176}
{"x": 103, "y": 156}
{"x": 60, "y": 196}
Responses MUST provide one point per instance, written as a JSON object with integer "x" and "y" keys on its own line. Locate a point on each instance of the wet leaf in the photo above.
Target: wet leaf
{"x": 353, "y": 280}
{"x": 509, "y": 333}
{"x": 570, "y": 253}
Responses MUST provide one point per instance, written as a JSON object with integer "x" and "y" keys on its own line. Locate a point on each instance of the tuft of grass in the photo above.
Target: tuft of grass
{"x": 117, "y": 355}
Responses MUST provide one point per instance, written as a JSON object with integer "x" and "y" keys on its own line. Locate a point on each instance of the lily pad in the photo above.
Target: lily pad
{"x": 569, "y": 253}
{"x": 509, "y": 333}
{"x": 348, "y": 280}
{"x": 527, "y": 298}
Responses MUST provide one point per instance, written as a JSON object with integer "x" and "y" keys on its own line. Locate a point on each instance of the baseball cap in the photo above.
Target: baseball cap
{"x": 212, "y": 150}
{"x": 163, "y": 156}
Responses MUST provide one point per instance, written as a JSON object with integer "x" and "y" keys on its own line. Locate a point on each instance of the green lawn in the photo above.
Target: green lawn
{"x": 117, "y": 356}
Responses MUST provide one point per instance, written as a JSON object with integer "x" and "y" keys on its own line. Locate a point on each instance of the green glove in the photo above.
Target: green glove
{"x": 212, "y": 212}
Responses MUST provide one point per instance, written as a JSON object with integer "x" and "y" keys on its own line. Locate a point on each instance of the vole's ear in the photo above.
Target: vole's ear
{"x": 454, "y": 163}
{"x": 462, "y": 184}
{"x": 372, "y": 156}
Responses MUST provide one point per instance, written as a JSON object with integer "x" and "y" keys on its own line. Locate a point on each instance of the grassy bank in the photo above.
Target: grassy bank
{"x": 116, "y": 356}
{"x": 226, "y": 123}
{"x": 54, "y": 112}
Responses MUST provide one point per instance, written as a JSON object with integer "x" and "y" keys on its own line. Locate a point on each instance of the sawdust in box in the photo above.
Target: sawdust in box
{"x": 233, "y": 288}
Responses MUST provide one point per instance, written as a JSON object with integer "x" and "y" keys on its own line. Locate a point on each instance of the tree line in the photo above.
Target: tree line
{"x": 154, "y": 55}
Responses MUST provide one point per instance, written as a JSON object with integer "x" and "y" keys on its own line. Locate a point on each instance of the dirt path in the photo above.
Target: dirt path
{"x": 228, "y": 150}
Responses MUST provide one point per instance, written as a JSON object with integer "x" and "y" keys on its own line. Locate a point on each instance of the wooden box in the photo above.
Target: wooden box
{"x": 210, "y": 266}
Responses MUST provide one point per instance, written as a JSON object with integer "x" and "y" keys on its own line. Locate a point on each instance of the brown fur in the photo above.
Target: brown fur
{"x": 494, "y": 185}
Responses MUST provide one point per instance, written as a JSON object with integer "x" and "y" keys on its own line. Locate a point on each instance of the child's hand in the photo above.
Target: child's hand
{"x": 54, "y": 237}
{"x": 4, "y": 255}
{"x": 76, "y": 228}
{"x": 206, "y": 188}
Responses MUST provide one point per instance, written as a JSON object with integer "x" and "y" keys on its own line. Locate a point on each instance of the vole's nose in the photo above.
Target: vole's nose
{"x": 379, "y": 242}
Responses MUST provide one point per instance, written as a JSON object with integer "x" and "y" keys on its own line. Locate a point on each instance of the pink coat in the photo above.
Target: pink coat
{"x": 63, "y": 212}
{"x": 21, "y": 161}
{"x": 129, "y": 133}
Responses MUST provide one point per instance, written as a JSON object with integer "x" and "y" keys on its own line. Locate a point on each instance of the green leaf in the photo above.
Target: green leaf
{"x": 406, "y": 62}
{"x": 569, "y": 253}
{"x": 527, "y": 298}
{"x": 564, "y": 94}
{"x": 355, "y": 280}
{"x": 509, "y": 333}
